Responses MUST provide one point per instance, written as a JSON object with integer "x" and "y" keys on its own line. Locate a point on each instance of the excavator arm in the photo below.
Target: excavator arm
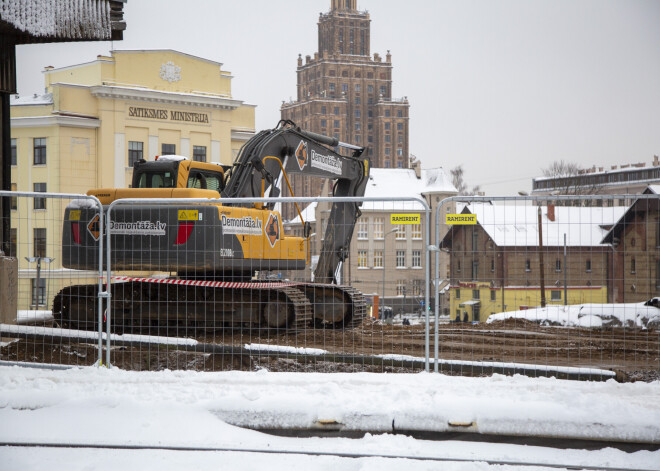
{"x": 258, "y": 169}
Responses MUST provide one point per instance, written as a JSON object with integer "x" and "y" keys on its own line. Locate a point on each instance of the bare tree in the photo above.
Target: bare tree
{"x": 459, "y": 183}
{"x": 570, "y": 179}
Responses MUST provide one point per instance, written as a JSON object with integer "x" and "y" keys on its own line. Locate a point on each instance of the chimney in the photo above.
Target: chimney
{"x": 551, "y": 212}
{"x": 656, "y": 161}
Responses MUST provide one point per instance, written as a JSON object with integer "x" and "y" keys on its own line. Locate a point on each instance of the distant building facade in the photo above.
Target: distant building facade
{"x": 94, "y": 121}
{"x": 625, "y": 179}
{"x": 495, "y": 264}
{"x": 345, "y": 93}
{"x": 635, "y": 239}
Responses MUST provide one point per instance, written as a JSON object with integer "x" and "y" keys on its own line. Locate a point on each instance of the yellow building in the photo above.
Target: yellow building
{"x": 93, "y": 121}
{"x": 476, "y": 301}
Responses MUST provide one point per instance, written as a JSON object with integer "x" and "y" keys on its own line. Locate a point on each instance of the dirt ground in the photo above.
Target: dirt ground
{"x": 633, "y": 353}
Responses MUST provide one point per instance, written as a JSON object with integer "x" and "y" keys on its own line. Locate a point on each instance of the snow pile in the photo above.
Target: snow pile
{"x": 642, "y": 315}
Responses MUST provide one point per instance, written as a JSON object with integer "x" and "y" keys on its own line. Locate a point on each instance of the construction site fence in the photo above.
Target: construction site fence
{"x": 463, "y": 285}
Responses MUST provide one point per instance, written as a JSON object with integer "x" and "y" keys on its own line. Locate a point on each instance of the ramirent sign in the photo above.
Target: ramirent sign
{"x": 470, "y": 219}
{"x": 405, "y": 219}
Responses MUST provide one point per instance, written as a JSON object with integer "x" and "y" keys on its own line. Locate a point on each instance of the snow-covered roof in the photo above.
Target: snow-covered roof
{"x": 517, "y": 225}
{"x": 403, "y": 183}
{"x": 653, "y": 189}
{"x": 308, "y": 214}
{"x": 45, "y": 99}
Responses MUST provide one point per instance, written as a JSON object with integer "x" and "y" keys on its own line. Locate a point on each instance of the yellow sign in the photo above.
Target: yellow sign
{"x": 188, "y": 215}
{"x": 74, "y": 215}
{"x": 469, "y": 219}
{"x": 405, "y": 219}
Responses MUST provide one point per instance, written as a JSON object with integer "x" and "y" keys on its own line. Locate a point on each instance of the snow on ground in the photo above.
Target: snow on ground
{"x": 588, "y": 315}
{"x": 179, "y": 409}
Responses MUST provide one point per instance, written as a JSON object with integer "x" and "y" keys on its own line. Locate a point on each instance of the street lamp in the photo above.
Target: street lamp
{"x": 38, "y": 260}
{"x": 384, "y": 242}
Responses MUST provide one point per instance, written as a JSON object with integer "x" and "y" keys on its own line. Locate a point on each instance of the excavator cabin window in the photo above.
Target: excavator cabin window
{"x": 206, "y": 180}
{"x": 163, "y": 179}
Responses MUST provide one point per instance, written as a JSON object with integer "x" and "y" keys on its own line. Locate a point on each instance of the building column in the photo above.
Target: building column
{"x": 120, "y": 160}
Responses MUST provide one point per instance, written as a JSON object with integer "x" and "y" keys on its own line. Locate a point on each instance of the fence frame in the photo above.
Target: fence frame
{"x": 490, "y": 199}
{"x": 95, "y": 200}
{"x": 308, "y": 199}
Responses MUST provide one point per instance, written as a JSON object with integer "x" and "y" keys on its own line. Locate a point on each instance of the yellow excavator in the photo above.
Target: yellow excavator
{"x": 213, "y": 249}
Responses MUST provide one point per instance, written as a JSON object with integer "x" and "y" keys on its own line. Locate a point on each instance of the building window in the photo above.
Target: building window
{"x": 14, "y": 152}
{"x": 475, "y": 269}
{"x": 13, "y": 252}
{"x": 362, "y": 258}
{"x": 13, "y": 202}
{"x": 40, "y": 203}
{"x": 588, "y": 266}
{"x": 387, "y": 115}
{"x": 557, "y": 265}
{"x": 378, "y": 259}
{"x": 336, "y": 123}
{"x": 39, "y": 293}
{"x": 399, "y": 114}
{"x": 417, "y": 258}
{"x": 378, "y": 228}
{"x": 324, "y": 123}
{"x": 417, "y": 287}
{"x": 388, "y": 151}
{"x": 657, "y": 274}
{"x": 135, "y": 152}
{"x": 416, "y": 231}
{"x": 168, "y": 149}
{"x": 358, "y": 126}
{"x": 400, "y": 287}
{"x": 388, "y": 138}
{"x": 387, "y": 125}
{"x": 633, "y": 265}
{"x": 357, "y": 113}
{"x": 39, "y": 151}
{"x": 458, "y": 293}
{"x": 199, "y": 153}
{"x": 358, "y": 101}
{"x": 458, "y": 266}
{"x": 400, "y": 232}
{"x": 331, "y": 85}
{"x": 400, "y": 258}
{"x": 493, "y": 295}
{"x": 363, "y": 228}
{"x": 336, "y": 112}
{"x": 492, "y": 265}
{"x": 528, "y": 265}
{"x": 555, "y": 295}
{"x": 383, "y": 91}
{"x": 323, "y": 110}
{"x": 476, "y": 294}
{"x": 39, "y": 242}
{"x": 475, "y": 239}
{"x": 344, "y": 86}
{"x": 399, "y": 126}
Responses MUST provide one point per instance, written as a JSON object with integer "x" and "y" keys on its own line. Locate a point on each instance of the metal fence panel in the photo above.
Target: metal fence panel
{"x": 568, "y": 284}
{"x": 237, "y": 271}
{"x": 32, "y": 331}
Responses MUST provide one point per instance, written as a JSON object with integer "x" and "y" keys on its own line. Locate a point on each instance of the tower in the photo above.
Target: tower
{"x": 345, "y": 92}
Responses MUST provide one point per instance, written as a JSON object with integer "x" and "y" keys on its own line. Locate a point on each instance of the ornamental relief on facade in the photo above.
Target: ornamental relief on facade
{"x": 170, "y": 72}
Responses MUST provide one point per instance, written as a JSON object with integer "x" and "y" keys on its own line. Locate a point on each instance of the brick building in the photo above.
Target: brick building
{"x": 635, "y": 239}
{"x": 495, "y": 265}
{"x": 346, "y": 93}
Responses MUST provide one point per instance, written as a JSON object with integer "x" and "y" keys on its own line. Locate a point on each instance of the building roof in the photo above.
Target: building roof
{"x": 628, "y": 216}
{"x": 34, "y": 100}
{"x": 517, "y": 225}
{"x": 403, "y": 183}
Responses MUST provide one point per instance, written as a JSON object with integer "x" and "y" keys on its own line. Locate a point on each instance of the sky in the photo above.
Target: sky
{"x": 502, "y": 87}
{"x": 108, "y": 419}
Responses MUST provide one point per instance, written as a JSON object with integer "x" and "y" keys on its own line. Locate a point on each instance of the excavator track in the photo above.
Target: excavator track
{"x": 151, "y": 305}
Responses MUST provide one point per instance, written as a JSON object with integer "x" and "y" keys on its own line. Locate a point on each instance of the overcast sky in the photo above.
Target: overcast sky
{"x": 501, "y": 87}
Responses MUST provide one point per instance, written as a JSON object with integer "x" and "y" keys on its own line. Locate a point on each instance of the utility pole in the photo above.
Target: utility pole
{"x": 542, "y": 277}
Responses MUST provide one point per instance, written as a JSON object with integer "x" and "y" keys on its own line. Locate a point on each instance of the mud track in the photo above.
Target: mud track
{"x": 634, "y": 354}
